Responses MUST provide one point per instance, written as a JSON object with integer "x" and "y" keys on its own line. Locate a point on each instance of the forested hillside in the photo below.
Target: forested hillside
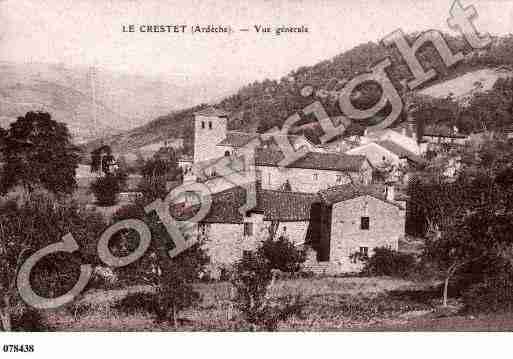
{"x": 261, "y": 105}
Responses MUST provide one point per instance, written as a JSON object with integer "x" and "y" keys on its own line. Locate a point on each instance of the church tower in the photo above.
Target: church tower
{"x": 210, "y": 127}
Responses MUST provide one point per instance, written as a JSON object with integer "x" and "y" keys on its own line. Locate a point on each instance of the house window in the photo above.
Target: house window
{"x": 202, "y": 124}
{"x": 365, "y": 223}
{"x": 364, "y": 251}
{"x": 339, "y": 178}
{"x": 248, "y": 229}
{"x": 315, "y": 176}
{"x": 209, "y": 125}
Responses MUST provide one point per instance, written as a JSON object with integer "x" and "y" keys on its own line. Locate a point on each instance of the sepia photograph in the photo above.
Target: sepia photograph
{"x": 267, "y": 166}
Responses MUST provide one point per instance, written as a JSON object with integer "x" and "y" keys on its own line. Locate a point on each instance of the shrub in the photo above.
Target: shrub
{"x": 389, "y": 262}
{"x": 29, "y": 320}
{"x": 282, "y": 254}
{"x": 493, "y": 294}
{"x": 144, "y": 302}
{"x": 107, "y": 188}
{"x": 253, "y": 279}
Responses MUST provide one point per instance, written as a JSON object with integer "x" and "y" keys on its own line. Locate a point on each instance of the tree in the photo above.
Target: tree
{"x": 102, "y": 160}
{"x": 38, "y": 152}
{"x": 152, "y": 187}
{"x": 107, "y": 188}
{"x": 282, "y": 254}
{"x": 471, "y": 218}
{"x": 31, "y": 225}
{"x": 163, "y": 164}
{"x": 254, "y": 281}
{"x": 172, "y": 278}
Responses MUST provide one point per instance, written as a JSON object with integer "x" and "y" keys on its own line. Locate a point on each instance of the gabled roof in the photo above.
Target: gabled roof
{"x": 350, "y": 191}
{"x": 210, "y": 112}
{"x": 400, "y": 151}
{"x": 442, "y": 132}
{"x": 239, "y": 139}
{"x": 312, "y": 160}
{"x": 186, "y": 158}
{"x": 275, "y": 205}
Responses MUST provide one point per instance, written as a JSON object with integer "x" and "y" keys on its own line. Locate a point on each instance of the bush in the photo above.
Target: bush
{"x": 253, "y": 279}
{"x": 141, "y": 302}
{"x": 493, "y": 294}
{"x": 282, "y": 254}
{"x": 389, "y": 262}
{"x": 29, "y": 320}
{"x": 107, "y": 188}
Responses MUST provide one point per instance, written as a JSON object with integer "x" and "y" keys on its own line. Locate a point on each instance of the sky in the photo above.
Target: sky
{"x": 89, "y": 32}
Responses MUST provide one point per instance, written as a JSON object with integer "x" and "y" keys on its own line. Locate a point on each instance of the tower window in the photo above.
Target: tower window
{"x": 248, "y": 229}
{"x": 202, "y": 124}
{"x": 365, "y": 223}
{"x": 209, "y": 125}
{"x": 364, "y": 251}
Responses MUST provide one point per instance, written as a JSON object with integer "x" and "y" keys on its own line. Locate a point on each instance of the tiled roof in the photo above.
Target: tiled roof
{"x": 186, "y": 158}
{"x": 211, "y": 111}
{"x": 442, "y": 133}
{"x": 349, "y": 191}
{"x": 313, "y": 160}
{"x": 286, "y": 206}
{"x": 275, "y": 205}
{"x": 400, "y": 151}
{"x": 239, "y": 139}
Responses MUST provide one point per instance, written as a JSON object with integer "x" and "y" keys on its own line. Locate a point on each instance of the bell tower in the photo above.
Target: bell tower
{"x": 210, "y": 127}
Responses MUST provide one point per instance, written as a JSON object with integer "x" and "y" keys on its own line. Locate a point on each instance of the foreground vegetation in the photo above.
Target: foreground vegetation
{"x": 352, "y": 303}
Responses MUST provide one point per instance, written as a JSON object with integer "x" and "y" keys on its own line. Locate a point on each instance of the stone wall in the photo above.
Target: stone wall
{"x": 386, "y": 226}
{"x": 308, "y": 180}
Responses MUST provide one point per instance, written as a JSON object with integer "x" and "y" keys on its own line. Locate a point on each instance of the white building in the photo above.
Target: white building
{"x": 387, "y": 152}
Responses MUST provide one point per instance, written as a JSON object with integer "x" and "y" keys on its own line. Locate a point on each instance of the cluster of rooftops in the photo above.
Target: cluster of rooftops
{"x": 282, "y": 206}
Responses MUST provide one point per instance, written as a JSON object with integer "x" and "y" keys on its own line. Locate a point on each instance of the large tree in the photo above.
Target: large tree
{"x": 171, "y": 277}
{"x": 470, "y": 219}
{"x": 28, "y": 226}
{"x": 163, "y": 164}
{"x": 38, "y": 152}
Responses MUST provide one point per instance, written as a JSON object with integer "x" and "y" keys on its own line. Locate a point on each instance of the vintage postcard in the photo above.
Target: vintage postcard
{"x": 255, "y": 166}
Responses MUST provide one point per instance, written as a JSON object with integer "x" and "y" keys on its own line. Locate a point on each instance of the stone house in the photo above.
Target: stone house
{"x": 333, "y": 224}
{"x": 349, "y": 220}
{"x": 312, "y": 172}
{"x": 228, "y": 232}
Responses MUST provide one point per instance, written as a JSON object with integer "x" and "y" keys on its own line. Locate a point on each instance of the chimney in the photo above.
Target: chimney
{"x": 390, "y": 193}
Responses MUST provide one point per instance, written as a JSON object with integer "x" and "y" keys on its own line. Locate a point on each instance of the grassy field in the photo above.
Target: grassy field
{"x": 334, "y": 304}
